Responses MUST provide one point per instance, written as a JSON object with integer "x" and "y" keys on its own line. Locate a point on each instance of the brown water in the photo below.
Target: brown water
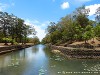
{"x": 38, "y": 60}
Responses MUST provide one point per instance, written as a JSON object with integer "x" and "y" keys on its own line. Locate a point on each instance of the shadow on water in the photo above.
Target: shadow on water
{"x": 38, "y": 60}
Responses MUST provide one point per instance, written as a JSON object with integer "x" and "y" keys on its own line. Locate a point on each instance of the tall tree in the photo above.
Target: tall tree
{"x": 98, "y": 15}
{"x": 12, "y": 29}
{"x": 81, "y": 16}
{"x": 4, "y": 20}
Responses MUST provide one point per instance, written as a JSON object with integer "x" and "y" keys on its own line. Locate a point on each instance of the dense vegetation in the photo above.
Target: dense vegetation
{"x": 34, "y": 40}
{"x": 74, "y": 27}
{"x": 13, "y": 29}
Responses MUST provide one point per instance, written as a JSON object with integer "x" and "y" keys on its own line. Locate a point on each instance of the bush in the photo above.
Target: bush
{"x": 8, "y": 40}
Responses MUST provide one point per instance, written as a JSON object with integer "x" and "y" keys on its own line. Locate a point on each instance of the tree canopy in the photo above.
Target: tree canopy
{"x": 13, "y": 29}
{"x": 73, "y": 27}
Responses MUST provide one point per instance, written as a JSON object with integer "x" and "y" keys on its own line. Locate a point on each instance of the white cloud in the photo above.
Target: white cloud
{"x": 28, "y": 22}
{"x": 3, "y": 6}
{"x": 92, "y": 8}
{"x": 65, "y": 5}
{"x": 40, "y": 32}
{"x": 39, "y": 27}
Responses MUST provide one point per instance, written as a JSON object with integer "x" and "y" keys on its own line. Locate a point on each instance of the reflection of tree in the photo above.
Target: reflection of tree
{"x": 35, "y": 49}
{"x": 13, "y": 63}
{"x": 15, "y": 59}
{"x": 47, "y": 51}
{"x": 1, "y": 65}
{"x": 24, "y": 54}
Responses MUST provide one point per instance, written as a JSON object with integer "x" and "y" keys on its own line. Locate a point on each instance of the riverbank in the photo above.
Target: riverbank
{"x": 79, "y": 49}
{"x": 9, "y": 48}
{"x": 77, "y": 53}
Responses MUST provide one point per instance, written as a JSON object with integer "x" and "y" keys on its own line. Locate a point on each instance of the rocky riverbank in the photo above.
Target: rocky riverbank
{"x": 5, "y": 49}
{"x": 78, "y": 53}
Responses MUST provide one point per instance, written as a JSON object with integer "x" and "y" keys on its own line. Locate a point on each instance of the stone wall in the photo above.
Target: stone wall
{"x": 78, "y": 53}
{"x": 12, "y": 48}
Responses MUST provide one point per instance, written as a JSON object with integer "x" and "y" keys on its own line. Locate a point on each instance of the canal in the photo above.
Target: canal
{"x": 38, "y": 60}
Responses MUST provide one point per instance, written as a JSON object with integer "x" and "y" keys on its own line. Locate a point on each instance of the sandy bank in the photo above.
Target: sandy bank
{"x": 9, "y": 48}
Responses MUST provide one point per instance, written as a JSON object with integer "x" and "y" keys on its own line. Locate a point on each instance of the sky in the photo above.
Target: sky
{"x": 39, "y": 13}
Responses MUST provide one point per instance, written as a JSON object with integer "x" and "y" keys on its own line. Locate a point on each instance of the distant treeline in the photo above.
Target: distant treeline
{"x": 74, "y": 27}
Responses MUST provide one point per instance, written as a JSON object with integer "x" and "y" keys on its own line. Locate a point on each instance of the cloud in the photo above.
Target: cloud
{"x": 3, "y": 6}
{"x": 39, "y": 27}
{"x": 92, "y": 8}
{"x": 29, "y": 22}
{"x": 65, "y": 5}
{"x": 40, "y": 32}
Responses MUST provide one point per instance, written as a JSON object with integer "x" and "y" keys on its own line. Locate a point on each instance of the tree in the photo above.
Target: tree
{"x": 46, "y": 39}
{"x": 97, "y": 30}
{"x": 12, "y": 28}
{"x": 51, "y": 28}
{"x": 72, "y": 27}
{"x": 4, "y": 20}
{"x": 66, "y": 27}
{"x": 78, "y": 31}
{"x": 36, "y": 40}
{"x": 19, "y": 30}
{"x": 28, "y": 30}
{"x": 98, "y": 15}
{"x": 81, "y": 15}
{"x": 89, "y": 33}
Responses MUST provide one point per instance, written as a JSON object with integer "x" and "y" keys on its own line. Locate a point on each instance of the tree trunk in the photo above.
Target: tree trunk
{"x": 25, "y": 40}
{"x": 12, "y": 43}
{"x": 6, "y": 43}
{"x": 85, "y": 42}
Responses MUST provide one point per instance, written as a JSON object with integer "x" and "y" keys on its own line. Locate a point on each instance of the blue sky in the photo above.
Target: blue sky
{"x": 40, "y": 12}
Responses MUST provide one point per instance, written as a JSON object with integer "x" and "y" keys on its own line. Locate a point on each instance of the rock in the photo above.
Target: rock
{"x": 56, "y": 51}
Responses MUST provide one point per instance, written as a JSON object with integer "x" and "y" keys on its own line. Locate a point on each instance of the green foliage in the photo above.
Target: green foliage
{"x": 73, "y": 27}
{"x": 97, "y": 30}
{"x": 7, "y": 39}
{"x": 51, "y": 28}
{"x": 34, "y": 40}
{"x": 47, "y": 39}
{"x": 82, "y": 20}
{"x": 13, "y": 27}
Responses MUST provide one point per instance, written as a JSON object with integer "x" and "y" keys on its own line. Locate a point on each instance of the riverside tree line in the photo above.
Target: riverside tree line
{"x": 74, "y": 27}
{"x": 13, "y": 30}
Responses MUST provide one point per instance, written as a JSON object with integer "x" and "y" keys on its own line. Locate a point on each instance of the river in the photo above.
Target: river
{"x": 38, "y": 60}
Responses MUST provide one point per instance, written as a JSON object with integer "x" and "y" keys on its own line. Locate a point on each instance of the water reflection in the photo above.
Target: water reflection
{"x": 35, "y": 49}
{"x": 38, "y": 60}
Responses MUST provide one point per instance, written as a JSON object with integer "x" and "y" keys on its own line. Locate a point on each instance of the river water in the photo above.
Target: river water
{"x": 38, "y": 60}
